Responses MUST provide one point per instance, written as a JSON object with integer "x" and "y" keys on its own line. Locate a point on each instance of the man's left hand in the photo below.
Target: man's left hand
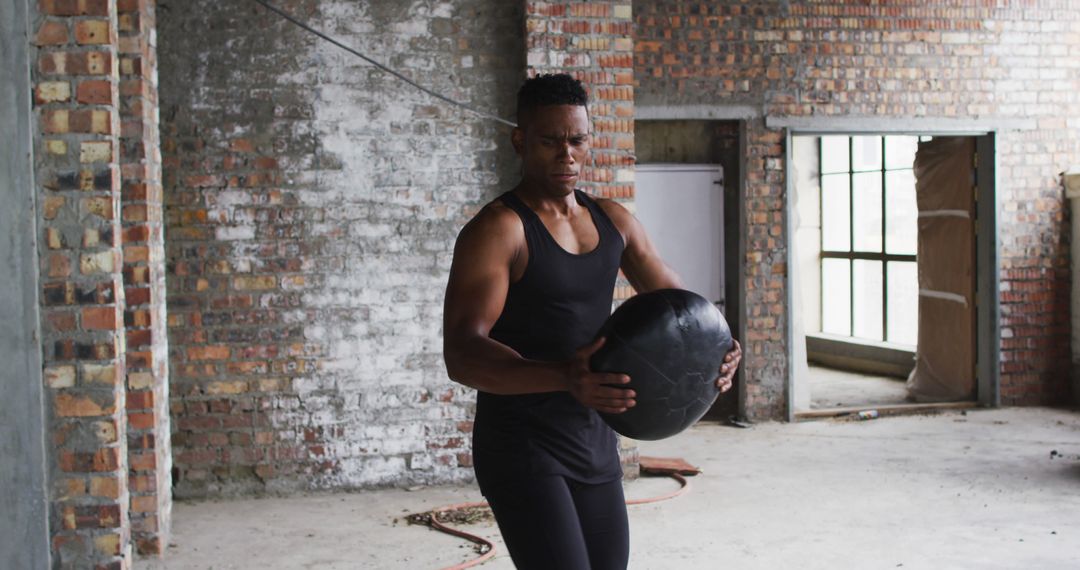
{"x": 729, "y": 366}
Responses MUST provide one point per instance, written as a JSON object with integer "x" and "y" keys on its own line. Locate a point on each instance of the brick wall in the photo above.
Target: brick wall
{"x": 592, "y": 41}
{"x": 960, "y": 59}
{"x": 77, "y": 168}
{"x": 312, "y": 203}
{"x": 149, "y": 453}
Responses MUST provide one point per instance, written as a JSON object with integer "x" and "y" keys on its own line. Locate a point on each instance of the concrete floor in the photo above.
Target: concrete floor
{"x": 831, "y": 388}
{"x": 979, "y": 489}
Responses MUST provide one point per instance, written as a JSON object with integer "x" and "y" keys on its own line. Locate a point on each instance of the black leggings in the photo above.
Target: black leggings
{"x": 549, "y": 521}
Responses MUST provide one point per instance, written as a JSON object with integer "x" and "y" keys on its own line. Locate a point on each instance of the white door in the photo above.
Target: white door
{"x": 682, "y": 209}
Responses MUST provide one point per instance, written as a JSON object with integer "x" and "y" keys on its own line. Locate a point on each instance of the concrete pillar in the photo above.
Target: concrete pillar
{"x": 1072, "y": 192}
{"x": 24, "y": 532}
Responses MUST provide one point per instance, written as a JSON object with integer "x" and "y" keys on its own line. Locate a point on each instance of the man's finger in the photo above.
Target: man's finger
{"x": 615, "y": 393}
{"x": 592, "y": 347}
{"x": 615, "y": 403}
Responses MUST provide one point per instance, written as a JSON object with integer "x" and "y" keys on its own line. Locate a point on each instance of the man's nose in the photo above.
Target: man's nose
{"x": 566, "y": 152}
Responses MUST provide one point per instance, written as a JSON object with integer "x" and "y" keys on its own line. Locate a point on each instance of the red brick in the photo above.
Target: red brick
{"x": 73, "y": 405}
{"x": 137, "y": 295}
{"x": 136, "y": 234}
{"x": 142, "y": 483}
{"x": 51, "y": 34}
{"x": 137, "y": 339}
{"x": 94, "y": 92}
{"x": 99, "y": 318}
{"x": 56, "y": 121}
{"x": 106, "y": 487}
{"x": 143, "y": 461}
{"x": 61, "y": 322}
{"x": 135, "y": 191}
{"x": 136, "y": 254}
{"x": 241, "y": 145}
{"x": 208, "y": 352}
{"x": 93, "y": 121}
{"x": 59, "y": 265}
{"x": 139, "y": 359}
{"x": 134, "y": 213}
{"x": 142, "y": 400}
{"x": 141, "y": 421}
{"x": 74, "y": 7}
{"x": 92, "y": 32}
{"x": 87, "y": 63}
{"x": 105, "y": 459}
{"x": 137, "y": 318}
{"x": 144, "y": 504}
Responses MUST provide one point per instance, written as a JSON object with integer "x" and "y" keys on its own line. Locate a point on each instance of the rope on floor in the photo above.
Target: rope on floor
{"x": 486, "y": 548}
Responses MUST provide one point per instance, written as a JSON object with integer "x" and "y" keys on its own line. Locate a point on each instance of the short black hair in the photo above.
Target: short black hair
{"x": 549, "y": 89}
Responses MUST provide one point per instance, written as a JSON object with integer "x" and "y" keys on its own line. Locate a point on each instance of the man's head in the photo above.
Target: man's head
{"x": 546, "y": 90}
{"x": 552, "y": 136}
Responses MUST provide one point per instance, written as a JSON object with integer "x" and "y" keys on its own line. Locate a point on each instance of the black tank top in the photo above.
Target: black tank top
{"x": 556, "y": 307}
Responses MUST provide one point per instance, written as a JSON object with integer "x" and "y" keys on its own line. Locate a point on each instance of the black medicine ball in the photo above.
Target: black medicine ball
{"x": 670, "y": 343}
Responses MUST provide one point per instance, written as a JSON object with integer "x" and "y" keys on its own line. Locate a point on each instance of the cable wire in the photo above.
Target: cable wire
{"x": 380, "y": 66}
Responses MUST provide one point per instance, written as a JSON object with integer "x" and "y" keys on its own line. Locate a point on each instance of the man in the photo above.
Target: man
{"x": 530, "y": 285}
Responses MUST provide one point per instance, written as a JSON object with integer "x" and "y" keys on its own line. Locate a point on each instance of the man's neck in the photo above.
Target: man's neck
{"x": 545, "y": 201}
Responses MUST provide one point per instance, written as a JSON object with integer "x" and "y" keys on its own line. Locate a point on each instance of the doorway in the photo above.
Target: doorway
{"x": 886, "y": 237}
{"x": 689, "y": 197}
{"x": 679, "y": 206}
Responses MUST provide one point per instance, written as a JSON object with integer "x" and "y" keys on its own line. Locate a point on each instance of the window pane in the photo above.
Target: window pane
{"x": 903, "y": 302}
{"x": 867, "y": 211}
{"x": 835, "y": 212}
{"x": 834, "y": 154}
{"x": 865, "y": 153}
{"x": 900, "y": 152}
{"x": 901, "y": 213}
{"x": 868, "y": 299}
{"x": 836, "y": 296}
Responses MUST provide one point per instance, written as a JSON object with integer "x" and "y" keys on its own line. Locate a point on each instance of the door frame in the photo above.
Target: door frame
{"x": 734, "y": 220}
{"x": 987, "y": 246}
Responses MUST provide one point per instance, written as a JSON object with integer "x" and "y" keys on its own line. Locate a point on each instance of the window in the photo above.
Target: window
{"x": 869, "y": 280}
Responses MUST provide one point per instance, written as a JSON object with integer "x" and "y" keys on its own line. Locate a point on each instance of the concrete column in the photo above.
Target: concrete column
{"x": 1072, "y": 192}
{"x": 24, "y": 532}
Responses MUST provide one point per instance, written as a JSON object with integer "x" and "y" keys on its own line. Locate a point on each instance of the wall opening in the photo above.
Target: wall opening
{"x": 689, "y": 191}
{"x": 884, "y": 252}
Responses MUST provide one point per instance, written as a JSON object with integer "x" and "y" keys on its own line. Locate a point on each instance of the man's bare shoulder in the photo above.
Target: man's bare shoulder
{"x": 620, "y": 216}
{"x": 495, "y": 218}
{"x": 494, "y": 225}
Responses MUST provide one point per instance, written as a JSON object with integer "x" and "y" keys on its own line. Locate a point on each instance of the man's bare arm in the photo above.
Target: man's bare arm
{"x": 641, "y": 262}
{"x": 475, "y": 295}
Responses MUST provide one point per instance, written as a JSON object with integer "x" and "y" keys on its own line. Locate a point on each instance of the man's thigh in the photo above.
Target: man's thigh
{"x": 602, "y": 515}
{"x": 539, "y": 523}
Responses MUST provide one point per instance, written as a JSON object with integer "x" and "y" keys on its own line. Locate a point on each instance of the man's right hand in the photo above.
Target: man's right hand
{"x": 597, "y": 390}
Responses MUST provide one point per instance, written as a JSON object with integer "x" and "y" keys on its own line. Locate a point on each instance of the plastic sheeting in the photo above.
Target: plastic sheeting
{"x": 944, "y": 188}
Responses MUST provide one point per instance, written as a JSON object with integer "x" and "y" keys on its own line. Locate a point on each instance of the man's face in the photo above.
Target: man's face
{"x": 554, "y": 145}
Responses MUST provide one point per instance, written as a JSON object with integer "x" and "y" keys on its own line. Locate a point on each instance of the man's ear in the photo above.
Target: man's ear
{"x": 517, "y": 138}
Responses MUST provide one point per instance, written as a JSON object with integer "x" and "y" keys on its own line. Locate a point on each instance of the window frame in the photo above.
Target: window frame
{"x": 851, "y": 255}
